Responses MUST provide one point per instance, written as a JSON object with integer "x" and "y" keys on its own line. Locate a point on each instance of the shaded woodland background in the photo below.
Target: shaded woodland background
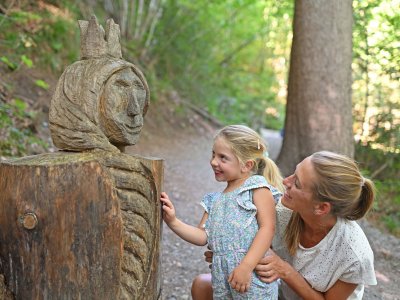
{"x": 228, "y": 60}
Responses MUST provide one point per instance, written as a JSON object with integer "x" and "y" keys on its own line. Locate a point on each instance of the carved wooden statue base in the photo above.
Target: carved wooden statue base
{"x": 81, "y": 226}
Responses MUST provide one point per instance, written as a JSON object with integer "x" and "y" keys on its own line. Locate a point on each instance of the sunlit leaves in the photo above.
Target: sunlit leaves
{"x": 376, "y": 67}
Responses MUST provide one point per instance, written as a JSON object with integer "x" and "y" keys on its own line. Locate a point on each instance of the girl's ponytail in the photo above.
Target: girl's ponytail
{"x": 273, "y": 174}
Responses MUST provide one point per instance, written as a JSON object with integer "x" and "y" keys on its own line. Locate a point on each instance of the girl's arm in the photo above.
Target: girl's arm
{"x": 241, "y": 275}
{"x": 191, "y": 234}
{"x": 273, "y": 267}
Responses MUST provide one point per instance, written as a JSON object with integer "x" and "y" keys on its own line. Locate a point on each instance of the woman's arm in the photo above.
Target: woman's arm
{"x": 340, "y": 290}
{"x": 241, "y": 275}
{"x": 191, "y": 234}
{"x": 273, "y": 267}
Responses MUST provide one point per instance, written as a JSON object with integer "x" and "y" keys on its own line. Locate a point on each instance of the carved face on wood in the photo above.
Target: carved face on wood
{"x": 122, "y": 105}
{"x": 98, "y": 104}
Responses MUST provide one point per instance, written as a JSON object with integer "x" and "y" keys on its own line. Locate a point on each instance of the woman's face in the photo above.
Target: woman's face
{"x": 121, "y": 107}
{"x": 299, "y": 188}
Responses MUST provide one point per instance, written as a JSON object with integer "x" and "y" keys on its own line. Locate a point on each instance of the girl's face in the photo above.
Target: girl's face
{"x": 225, "y": 164}
{"x": 299, "y": 188}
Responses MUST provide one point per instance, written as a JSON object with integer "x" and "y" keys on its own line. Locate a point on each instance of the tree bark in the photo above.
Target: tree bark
{"x": 319, "y": 111}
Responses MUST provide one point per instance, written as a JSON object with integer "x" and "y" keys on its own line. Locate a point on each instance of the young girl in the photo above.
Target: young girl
{"x": 238, "y": 224}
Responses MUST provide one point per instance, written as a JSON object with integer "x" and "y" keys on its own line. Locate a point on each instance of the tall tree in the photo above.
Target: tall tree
{"x": 319, "y": 110}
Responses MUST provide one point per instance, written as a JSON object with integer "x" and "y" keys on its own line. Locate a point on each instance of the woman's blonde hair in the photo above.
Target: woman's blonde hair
{"x": 247, "y": 145}
{"x": 340, "y": 183}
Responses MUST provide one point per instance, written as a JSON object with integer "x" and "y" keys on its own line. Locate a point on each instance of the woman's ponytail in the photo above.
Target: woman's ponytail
{"x": 340, "y": 182}
{"x": 365, "y": 201}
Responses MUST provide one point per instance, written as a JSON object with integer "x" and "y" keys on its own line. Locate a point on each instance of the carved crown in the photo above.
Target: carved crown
{"x": 96, "y": 43}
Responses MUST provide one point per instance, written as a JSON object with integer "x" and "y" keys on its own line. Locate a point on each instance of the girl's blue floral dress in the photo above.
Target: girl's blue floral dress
{"x": 231, "y": 227}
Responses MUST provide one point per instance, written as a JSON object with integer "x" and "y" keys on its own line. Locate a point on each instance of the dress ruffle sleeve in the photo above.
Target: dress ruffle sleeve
{"x": 207, "y": 204}
{"x": 208, "y": 200}
{"x": 245, "y": 194}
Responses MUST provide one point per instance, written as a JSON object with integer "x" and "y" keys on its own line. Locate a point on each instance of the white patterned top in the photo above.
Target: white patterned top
{"x": 344, "y": 254}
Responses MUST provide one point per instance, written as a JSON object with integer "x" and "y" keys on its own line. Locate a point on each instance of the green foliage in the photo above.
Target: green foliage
{"x": 9, "y": 63}
{"x": 52, "y": 40}
{"x": 16, "y": 131}
{"x": 384, "y": 168}
{"x": 13, "y": 65}
{"x": 376, "y": 102}
{"x": 27, "y": 61}
{"x": 376, "y": 72}
{"x": 221, "y": 55}
{"x": 41, "y": 83}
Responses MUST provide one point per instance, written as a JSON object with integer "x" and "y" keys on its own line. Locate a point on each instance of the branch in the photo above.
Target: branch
{"x": 202, "y": 113}
{"x": 238, "y": 49}
{"x": 6, "y": 10}
{"x": 379, "y": 170}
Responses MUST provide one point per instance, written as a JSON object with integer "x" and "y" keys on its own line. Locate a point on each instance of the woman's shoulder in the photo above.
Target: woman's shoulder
{"x": 347, "y": 246}
{"x": 351, "y": 236}
{"x": 354, "y": 252}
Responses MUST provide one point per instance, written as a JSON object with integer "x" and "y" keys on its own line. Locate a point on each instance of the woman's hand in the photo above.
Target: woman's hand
{"x": 240, "y": 278}
{"x": 169, "y": 214}
{"x": 208, "y": 255}
{"x": 271, "y": 268}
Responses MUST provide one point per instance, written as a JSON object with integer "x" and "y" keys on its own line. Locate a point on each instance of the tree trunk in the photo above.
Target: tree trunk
{"x": 319, "y": 111}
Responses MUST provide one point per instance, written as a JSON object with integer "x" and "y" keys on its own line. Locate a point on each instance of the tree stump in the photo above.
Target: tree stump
{"x": 78, "y": 226}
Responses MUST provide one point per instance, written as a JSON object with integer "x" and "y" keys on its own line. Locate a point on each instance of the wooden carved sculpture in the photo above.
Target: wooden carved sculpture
{"x": 85, "y": 222}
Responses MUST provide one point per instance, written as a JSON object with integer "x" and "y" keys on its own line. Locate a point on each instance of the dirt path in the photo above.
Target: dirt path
{"x": 188, "y": 176}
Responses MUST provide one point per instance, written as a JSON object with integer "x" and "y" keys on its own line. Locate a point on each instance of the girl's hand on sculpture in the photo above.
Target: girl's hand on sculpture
{"x": 272, "y": 267}
{"x": 189, "y": 233}
{"x": 240, "y": 278}
{"x": 169, "y": 215}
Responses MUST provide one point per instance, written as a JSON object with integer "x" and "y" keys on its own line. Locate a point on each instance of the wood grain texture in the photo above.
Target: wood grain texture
{"x": 98, "y": 231}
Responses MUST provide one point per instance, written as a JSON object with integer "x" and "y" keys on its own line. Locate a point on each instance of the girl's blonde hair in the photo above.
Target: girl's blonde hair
{"x": 247, "y": 145}
{"x": 339, "y": 182}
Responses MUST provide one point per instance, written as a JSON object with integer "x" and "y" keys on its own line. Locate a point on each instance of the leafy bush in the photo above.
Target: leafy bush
{"x": 17, "y": 136}
{"x": 52, "y": 40}
{"x": 384, "y": 169}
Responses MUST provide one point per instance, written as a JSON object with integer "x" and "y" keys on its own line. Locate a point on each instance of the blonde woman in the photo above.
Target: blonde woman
{"x": 320, "y": 252}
